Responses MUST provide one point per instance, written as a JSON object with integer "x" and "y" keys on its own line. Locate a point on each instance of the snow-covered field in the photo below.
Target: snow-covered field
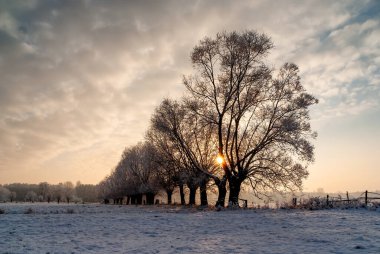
{"x": 52, "y": 228}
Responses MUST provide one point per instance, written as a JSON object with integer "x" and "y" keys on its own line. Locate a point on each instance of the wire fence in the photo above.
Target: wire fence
{"x": 365, "y": 199}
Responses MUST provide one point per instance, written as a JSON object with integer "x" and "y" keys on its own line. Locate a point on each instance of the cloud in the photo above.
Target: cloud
{"x": 80, "y": 79}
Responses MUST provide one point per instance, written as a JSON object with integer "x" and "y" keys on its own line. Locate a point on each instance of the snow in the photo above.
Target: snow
{"x": 53, "y": 228}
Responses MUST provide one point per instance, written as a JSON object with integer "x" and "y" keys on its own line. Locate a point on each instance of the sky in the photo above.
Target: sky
{"x": 79, "y": 80}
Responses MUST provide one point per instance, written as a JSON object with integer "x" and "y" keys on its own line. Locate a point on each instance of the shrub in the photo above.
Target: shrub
{"x": 29, "y": 211}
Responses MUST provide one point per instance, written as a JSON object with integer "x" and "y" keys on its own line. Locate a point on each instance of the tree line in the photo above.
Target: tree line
{"x": 45, "y": 192}
{"x": 240, "y": 122}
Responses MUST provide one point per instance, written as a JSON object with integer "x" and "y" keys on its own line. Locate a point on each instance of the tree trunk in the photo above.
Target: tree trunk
{"x": 169, "y": 193}
{"x": 222, "y": 191}
{"x": 133, "y": 200}
{"x": 128, "y": 199}
{"x": 182, "y": 194}
{"x": 149, "y": 198}
{"x": 139, "y": 198}
{"x": 235, "y": 184}
{"x": 193, "y": 191}
{"x": 203, "y": 194}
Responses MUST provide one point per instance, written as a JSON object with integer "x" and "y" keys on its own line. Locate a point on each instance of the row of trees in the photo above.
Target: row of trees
{"x": 240, "y": 122}
{"x": 45, "y": 192}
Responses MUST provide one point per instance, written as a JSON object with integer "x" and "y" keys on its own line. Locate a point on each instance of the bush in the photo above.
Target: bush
{"x": 29, "y": 211}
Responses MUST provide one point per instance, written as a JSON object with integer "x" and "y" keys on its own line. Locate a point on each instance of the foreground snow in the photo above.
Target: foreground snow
{"x": 127, "y": 229}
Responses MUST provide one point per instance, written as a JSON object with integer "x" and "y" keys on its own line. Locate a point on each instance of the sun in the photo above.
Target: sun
{"x": 219, "y": 159}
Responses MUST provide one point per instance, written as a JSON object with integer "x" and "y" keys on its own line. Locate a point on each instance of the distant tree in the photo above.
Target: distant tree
{"x": 31, "y": 196}
{"x": 50, "y": 194}
{"x": 13, "y": 196}
{"x": 87, "y": 192}
{"x": 115, "y": 185}
{"x": 119, "y": 182}
{"x": 133, "y": 177}
{"x": 139, "y": 162}
{"x": 68, "y": 191}
{"x": 43, "y": 190}
{"x": 58, "y": 192}
{"x": 260, "y": 116}
{"x": 21, "y": 189}
{"x": 5, "y": 194}
{"x": 104, "y": 189}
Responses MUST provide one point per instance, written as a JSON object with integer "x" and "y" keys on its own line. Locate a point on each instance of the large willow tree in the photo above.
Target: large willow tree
{"x": 260, "y": 116}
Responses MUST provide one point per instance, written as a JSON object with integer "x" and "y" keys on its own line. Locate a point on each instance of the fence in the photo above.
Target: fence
{"x": 364, "y": 198}
{"x": 376, "y": 196}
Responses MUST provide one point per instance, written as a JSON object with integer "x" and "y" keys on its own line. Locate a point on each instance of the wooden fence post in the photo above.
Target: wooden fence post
{"x": 327, "y": 200}
{"x": 366, "y": 197}
{"x": 348, "y": 199}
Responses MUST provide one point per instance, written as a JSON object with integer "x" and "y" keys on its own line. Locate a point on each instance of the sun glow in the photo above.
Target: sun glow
{"x": 220, "y": 159}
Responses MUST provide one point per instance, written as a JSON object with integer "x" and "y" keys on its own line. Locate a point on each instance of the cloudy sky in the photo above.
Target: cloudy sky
{"x": 80, "y": 79}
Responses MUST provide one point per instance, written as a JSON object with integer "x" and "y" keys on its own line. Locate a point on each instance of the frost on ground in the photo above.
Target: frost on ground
{"x": 43, "y": 228}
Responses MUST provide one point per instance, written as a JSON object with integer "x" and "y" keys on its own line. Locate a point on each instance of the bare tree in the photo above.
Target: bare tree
{"x": 193, "y": 140}
{"x": 118, "y": 181}
{"x": 166, "y": 166}
{"x": 116, "y": 186}
{"x": 104, "y": 190}
{"x": 261, "y": 121}
{"x": 139, "y": 162}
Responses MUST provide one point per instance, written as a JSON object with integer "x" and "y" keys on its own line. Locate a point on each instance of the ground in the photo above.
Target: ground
{"x": 53, "y": 228}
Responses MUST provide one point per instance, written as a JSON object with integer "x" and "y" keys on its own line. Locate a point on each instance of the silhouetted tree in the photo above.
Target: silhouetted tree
{"x": 260, "y": 117}
{"x": 168, "y": 158}
{"x": 194, "y": 141}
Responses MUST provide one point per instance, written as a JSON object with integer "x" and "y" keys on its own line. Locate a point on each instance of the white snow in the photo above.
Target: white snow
{"x": 53, "y": 228}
